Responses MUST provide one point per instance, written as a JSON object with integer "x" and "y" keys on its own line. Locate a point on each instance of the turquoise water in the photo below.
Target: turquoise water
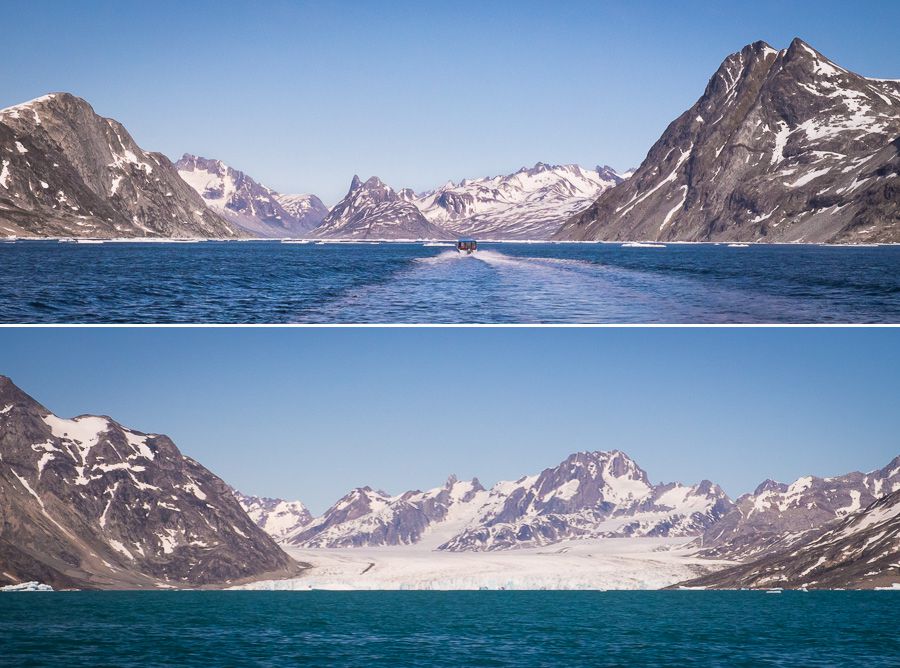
{"x": 678, "y": 628}
{"x": 270, "y": 282}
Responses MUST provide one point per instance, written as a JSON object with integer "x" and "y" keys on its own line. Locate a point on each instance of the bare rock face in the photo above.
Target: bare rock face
{"x": 65, "y": 171}
{"x": 528, "y": 204}
{"x": 782, "y": 146}
{"x": 89, "y": 503}
{"x": 776, "y": 516}
{"x": 277, "y": 517}
{"x": 373, "y": 210}
{"x": 258, "y": 210}
{"x": 859, "y": 551}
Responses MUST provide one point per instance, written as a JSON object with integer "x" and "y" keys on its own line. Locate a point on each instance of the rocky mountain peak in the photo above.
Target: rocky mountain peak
{"x": 66, "y": 171}
{"x": 782, "y": 146}
{"x": 373, "y": 210}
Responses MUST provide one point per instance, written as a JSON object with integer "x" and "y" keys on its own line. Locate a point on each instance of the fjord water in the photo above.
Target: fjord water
{"x": 271, "y": 282}
{"x": 501, "y": 628}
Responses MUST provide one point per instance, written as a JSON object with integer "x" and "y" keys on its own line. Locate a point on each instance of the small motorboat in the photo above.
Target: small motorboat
{"x": 467, "y": 246}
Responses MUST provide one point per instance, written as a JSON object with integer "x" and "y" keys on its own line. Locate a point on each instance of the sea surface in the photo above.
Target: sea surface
{"x": 271, "y": 282}
{"x": 499, "y": 628}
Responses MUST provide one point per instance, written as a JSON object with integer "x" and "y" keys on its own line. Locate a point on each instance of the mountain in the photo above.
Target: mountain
{"x": 252, "y": 207}
{"x": 65, "y": 171}
{"x": 776, "y": 516}
{"x": 782, "y": 146}
{"x": 589, "y": 495}
{"x": 373, "y": 210}
{"x": 367, "y": 517}
{"x": 528, "y": 204}
{"x": 307, "y": 208}
{"x": 88, "y": 503}
{"x": 860, "y": 551}
{"x": 276, "y": 517}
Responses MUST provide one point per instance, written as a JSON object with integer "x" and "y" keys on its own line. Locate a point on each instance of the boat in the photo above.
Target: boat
{"x": 467, "y": 246}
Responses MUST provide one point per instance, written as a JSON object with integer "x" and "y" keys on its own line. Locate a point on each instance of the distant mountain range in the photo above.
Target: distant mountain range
{"x": 86, "y": 502}
{"x": 606, "y": 495}
{"x": 782, "y": 146}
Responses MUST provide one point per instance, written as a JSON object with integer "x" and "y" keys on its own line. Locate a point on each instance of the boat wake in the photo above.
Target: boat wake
{"x": 491, "y": 286}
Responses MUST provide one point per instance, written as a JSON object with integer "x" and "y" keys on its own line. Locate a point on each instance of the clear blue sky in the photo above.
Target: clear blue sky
{"x": 311, "y": 413}
{"x": 302, "y": 95}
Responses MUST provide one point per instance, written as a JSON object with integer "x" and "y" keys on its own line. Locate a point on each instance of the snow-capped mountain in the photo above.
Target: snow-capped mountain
{"x": 373, "y": 210}
{"x": 528, "y": 204}
{"x": 367, "y": 517}
{"x": 66, "y": 171}
{"x": 86, "y": 502}
{"x": 782, "y": 146}
{"x": 253, "y": 207}
{"x": 589, "y": 495}
{"x": 308, "y": 209}
{"x": 859, "y": 551}
{"x": 776, "y": 516}
{"x": 276, "y": 517}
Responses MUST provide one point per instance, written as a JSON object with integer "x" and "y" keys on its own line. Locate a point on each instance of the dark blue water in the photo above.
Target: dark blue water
{"x": 450, "y": 629}
{"x": 269, "y": 282}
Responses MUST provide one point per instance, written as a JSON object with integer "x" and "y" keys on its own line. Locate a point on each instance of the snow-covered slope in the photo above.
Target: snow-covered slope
{"x": 589, "y": 495}
{"x": 860, "y": 551}
{"x": 782, "y": 146}
{"x": 253, "y": 207}
{"x": 529, "y": 204}
{"x": 86, "y": 502}
{"x": 65, "y": 171}
{"x": 277, "y": 517}
{"x": 370, "y": 517}
{"x": 373, "y": 210}
{"x": 615, "y": 563}
{"x": 308, "y": 209}
{"x": 776, "y": 515}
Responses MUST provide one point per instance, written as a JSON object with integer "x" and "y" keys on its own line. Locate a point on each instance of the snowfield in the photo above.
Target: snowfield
{"x": 613, "y": 563}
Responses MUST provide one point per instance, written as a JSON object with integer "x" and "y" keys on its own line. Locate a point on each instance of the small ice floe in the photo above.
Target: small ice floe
{"x": 27, "y": 586}
{"x": 738, "y": 245}
{"x": 88, "y": 241}
{"x": 437, "y": 243}
{"x": 642, "y": 244}
{"x": 296, "y": 241}
{"x": 776, "y": 590}
{"x": 894, "y": 587}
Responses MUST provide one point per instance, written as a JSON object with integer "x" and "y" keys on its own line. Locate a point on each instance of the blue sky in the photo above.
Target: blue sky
{"x": 311, "y": 413}
{"x": 302, "y": 95}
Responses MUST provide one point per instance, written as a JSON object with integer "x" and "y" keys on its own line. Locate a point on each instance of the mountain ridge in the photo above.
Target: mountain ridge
{"x": 86, "y": 502}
